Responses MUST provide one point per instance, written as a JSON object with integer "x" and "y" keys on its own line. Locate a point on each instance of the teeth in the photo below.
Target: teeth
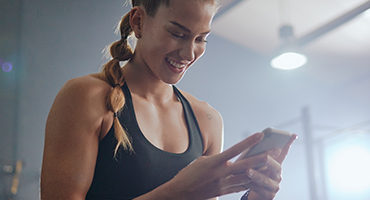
{"x": 174, "y": 64}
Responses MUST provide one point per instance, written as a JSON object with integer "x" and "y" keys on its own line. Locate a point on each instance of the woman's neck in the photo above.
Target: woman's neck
{"x": 144, "y": 84}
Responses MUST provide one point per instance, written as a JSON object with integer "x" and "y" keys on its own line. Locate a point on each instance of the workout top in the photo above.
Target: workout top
{"x": 129, "y": 175}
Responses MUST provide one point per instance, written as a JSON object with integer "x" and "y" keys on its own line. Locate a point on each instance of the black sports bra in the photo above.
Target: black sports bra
{"x": 129, "y": 175}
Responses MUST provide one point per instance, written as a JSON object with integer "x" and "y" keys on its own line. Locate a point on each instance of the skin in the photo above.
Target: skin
{"x": 79, "y": 118}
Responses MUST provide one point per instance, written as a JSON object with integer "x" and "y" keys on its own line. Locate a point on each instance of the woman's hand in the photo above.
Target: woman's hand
{"x": 264, "y": 182}
{"x": 212, "y": 176}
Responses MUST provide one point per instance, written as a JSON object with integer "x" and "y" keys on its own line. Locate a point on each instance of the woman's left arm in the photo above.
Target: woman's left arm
{"x": 211, "y": 126}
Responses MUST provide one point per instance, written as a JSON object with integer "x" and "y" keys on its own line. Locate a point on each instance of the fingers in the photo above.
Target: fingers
{"x": 285, "y": 149}
{"x": 236, "y": 180}
{"x": 236, "y": 183}
{"x": 275, "y": 175}
{"x": 262, "y": 180}
{"x": 239, "y": 147}
{"x": 259, "y": 192}
{"x": 264, "y": 170}
{"x": 261, "y": 161}
{"x": 272, "y": 168}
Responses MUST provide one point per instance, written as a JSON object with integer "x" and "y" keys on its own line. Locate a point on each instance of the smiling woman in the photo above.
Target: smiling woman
{"x": 129, "y": 133}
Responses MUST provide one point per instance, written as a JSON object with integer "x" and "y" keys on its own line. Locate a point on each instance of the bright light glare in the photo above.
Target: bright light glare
{"x": 288, "y": 61}
{"x": 348, "y": 169}
{"x": 367, "y": 13}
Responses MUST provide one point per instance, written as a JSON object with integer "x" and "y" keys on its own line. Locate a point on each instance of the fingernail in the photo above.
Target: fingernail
{"x": 266, "y": 181}
{"x": 277, "y": 152}
{"x": 268, "y": 161}
{"x": 278, "y": 176}
{"x": 250, "y": 173}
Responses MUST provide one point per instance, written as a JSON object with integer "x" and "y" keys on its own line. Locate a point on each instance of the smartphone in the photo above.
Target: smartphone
{"x": 274, "y": 138}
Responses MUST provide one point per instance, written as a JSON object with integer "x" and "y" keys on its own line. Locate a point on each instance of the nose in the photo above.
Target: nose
{"x": 187, "y": 51}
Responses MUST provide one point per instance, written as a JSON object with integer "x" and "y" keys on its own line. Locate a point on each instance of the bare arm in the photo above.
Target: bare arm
{"x": 71, "y": 140}
{"x": 211, "y": 125}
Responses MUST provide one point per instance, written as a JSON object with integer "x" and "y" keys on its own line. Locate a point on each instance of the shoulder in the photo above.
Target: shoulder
{"x": 203, "y": 109}
{"x": 89, "y": 89}
{"x": 210, "y": 122}
{"x": 86, "y": 85}
{"x": 83, "y": 98}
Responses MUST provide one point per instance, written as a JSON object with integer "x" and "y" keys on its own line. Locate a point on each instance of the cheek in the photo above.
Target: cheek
{"x": 162, "y": 44}
{"x": 200, "y": 50}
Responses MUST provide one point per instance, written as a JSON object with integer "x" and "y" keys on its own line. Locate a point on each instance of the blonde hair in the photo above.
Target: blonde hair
{"x": 122, "y": 51}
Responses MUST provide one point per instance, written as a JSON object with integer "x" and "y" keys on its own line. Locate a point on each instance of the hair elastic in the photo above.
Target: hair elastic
{"x": 115, "y": 114}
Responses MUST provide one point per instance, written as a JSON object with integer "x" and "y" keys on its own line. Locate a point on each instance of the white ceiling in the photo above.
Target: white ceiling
{"x": 255, "y": 24}
{"x": 340, "y": 57}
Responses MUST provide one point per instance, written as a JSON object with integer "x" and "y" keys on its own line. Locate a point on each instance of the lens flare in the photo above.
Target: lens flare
{"x": 7, "y": 67}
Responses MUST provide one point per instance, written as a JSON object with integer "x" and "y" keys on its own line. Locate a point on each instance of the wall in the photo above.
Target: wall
{"x": 10, "y": 69}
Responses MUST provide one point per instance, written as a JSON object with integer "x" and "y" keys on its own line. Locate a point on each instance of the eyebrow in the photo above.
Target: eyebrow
{"x": 185, "y": 28}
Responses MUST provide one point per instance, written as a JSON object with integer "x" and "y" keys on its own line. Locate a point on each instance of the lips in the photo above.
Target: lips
{"x": 175, "y": 64}
{"x": 175, "y": 67}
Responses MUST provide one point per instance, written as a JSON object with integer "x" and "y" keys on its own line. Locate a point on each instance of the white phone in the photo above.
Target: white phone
{"x": 274, "y": 138}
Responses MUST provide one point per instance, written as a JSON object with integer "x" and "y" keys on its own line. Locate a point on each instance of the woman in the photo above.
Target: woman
{"x": 128, "y": 133}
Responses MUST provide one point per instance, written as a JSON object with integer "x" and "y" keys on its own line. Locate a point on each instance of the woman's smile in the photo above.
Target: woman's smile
{"x": 174, "y": 66}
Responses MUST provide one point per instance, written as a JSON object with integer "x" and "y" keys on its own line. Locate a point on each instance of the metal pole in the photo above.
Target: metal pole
{"x": 309, "y": 151}
{"x": 322, "y": 170}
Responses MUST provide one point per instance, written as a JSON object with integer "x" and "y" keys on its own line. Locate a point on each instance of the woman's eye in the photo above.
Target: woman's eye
{"x": 177, "y": 35}
{"x": 202, "y": 40}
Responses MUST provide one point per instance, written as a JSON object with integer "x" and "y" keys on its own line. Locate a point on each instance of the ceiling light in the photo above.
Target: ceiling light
{"x": 288, "y": 61}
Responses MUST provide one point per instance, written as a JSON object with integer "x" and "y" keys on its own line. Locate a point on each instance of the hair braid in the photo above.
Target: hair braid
{"x": 120, "y": 51}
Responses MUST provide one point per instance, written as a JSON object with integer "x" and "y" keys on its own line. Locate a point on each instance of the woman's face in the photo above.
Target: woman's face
{"x": 175, "y": 38}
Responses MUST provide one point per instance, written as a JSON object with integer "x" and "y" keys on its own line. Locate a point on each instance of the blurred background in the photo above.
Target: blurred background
{"x": 326, "y": 101}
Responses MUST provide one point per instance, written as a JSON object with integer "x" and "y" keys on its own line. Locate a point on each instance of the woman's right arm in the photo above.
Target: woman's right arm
{"x": 73, "y": 127}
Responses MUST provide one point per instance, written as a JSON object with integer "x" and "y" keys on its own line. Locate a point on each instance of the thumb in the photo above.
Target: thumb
{"x": 285, "y": 149}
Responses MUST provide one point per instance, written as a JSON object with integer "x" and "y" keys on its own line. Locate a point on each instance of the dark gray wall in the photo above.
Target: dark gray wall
{"x": 10, "y": 25}
{"x": 60, "y": 40}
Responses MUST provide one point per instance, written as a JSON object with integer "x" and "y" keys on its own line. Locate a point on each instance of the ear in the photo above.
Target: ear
{"x": 136, "y": 20}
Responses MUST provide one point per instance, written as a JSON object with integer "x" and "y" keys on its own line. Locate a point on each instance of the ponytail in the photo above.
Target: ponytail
{"x": 120, "y": 51}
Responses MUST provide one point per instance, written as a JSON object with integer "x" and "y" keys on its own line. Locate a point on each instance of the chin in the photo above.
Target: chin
{"x": 172, "y": 81}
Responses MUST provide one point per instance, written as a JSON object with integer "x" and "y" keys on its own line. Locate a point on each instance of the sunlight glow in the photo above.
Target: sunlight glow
{"x": 348, "y": 168}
